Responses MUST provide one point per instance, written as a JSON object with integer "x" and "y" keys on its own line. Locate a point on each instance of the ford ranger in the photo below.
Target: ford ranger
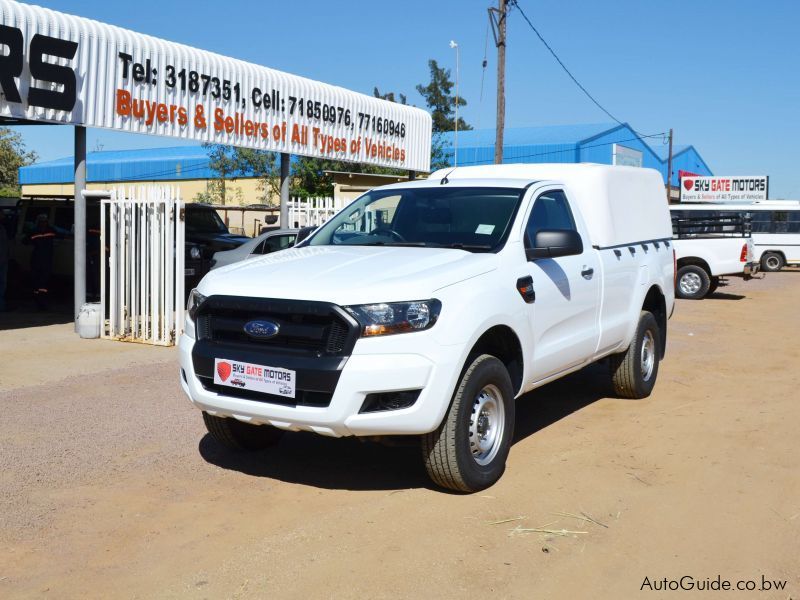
{"x": 429, "y": 308}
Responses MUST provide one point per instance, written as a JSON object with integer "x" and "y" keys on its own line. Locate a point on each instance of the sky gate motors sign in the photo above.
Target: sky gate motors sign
{"x": 63, "y": 69}
{"x": 724, "y": 189}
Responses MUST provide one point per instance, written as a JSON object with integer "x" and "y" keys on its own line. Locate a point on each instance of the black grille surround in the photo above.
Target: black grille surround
{"x": 315, "y": 339}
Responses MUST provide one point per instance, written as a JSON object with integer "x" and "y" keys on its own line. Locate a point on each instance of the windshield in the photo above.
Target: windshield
{"x": 204, "y": 221}
{"x": 475, "y": 219}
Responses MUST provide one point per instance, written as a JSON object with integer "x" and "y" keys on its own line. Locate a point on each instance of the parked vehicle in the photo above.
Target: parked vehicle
{"x": 203, "y": 234}
{"x": 269, "y": 241}
{"x": 710, "y": 247}
{"x": 206, "y": 228}
{"x": 775, "y": 224}
{"x": 428, "y": 308}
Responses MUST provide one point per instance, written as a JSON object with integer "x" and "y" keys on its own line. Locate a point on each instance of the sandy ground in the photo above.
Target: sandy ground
{"x": 109, "y": 487}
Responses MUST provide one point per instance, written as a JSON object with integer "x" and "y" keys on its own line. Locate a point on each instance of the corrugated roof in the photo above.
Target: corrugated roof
{"x": 663, "y": 150}
{"x": 151, "y": 164}
{"x": 528, "y": 136}
{"x": 553, "y": 143}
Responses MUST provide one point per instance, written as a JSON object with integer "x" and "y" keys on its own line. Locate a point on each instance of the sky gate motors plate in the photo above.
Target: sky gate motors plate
{"x": 258, "y": 378}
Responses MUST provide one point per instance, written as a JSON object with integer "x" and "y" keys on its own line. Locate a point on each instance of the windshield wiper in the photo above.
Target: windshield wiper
{"x": 460, "y": 246}
{"x": 411, "y": 244}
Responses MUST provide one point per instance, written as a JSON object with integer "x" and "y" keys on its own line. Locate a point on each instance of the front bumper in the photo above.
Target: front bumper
{"x": 418, "y": 364}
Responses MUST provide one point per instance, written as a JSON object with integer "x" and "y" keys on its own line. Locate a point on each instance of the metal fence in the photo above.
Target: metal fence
{"x": 142, "y": 244}
{"x": 313, "y": 212}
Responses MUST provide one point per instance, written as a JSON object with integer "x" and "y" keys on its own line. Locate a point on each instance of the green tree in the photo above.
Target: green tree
{"x": 228, "y": 162}
{"x": 13, "y": 155}
{"x": 440, "y": 101}
{"x": 390, "y": 96}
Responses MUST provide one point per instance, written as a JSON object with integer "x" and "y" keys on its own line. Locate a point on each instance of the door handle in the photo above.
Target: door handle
{"x": 587, "y": 272}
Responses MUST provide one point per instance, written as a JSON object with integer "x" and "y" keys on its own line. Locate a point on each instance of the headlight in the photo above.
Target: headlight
{"x": 195, "y": 300}
{"x": 195, "y": 253}
{"x": 395, "y": 317}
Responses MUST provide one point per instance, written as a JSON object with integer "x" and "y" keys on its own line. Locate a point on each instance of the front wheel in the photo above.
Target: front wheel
{"x": 237, "y": 435}
{"x": 772, "y": 262}
{"x": 692, "y": 283}
{"x": 468, "y": 451}
{"x": 634, "y": 371}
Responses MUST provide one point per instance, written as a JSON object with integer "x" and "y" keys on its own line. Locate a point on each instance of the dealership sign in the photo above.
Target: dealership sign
{"x": 57, "y": 68}
{"x": 724, "y": 189}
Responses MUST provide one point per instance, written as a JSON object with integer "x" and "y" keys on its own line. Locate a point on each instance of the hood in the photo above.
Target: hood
{"x": 348, "y": 274}
{"x": 218, "y": 241}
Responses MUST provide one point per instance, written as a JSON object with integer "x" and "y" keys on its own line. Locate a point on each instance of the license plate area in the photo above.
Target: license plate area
{"x": 254, "y": 377}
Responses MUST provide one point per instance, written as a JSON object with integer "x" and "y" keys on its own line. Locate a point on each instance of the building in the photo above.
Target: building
{"x": 185, "y": 167}
{"x": 604, "y": 143}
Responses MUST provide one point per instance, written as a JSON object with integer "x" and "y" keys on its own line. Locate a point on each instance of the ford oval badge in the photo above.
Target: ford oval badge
{"x": 261, "y": 329}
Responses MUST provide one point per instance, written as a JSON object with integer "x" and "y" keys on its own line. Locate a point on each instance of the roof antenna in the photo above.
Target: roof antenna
{"x": 445, "y": 179}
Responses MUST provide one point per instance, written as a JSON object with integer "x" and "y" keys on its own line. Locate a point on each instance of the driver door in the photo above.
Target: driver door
{"x": 564, "y": 318}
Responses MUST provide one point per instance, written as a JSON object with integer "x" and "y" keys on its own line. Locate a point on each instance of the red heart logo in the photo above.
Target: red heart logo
{"x": 688, "y": 184}
{"x": 224, "y": 370}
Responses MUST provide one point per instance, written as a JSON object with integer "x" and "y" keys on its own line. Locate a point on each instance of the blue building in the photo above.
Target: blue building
{"x": 604, "y": 143}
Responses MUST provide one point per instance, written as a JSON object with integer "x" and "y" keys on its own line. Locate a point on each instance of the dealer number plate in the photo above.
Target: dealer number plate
{"x": 258, "y": 378}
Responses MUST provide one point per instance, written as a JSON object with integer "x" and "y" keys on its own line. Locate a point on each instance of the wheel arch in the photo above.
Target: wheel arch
{"x": 695, "y": 261}
{"x": 655, "y": 302}
{"x": 503, "y": 343}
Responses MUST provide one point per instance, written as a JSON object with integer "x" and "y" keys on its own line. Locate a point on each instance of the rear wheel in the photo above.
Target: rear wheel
{"x": 237, "y": 435}
{"x": 468, "y": 451}
{"x": 692, "y": 282}
{"x": 634, "y": 371}
{"x": 772, "y": 261}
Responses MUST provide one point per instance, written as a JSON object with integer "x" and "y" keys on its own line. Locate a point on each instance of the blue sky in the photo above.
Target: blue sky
{"x": 724, "y": 74}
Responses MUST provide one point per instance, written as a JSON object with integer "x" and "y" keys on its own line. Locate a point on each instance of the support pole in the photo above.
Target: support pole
{"x": 80, "y": 221}
{"x": 501, "y": 81}
{"x": 285, "y": 160}
{"x": 669, "y": 170}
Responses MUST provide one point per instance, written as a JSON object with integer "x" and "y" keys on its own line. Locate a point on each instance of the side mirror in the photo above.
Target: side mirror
{"x": 552, "y": 243}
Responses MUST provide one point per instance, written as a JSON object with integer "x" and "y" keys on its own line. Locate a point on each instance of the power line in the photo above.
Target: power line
{"x": 571, "y": 150}
{"x": 568, "y": 72}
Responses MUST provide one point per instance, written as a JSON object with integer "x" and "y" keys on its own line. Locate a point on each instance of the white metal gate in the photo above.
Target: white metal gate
{"x": 142, "y": 282}
{"x": 313, "y": 211}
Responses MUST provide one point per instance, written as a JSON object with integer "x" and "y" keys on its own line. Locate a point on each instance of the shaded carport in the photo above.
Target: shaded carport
{"x": 67, "y": 70}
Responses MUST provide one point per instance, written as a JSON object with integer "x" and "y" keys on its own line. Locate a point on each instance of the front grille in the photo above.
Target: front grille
{"x": 305, "y": 328}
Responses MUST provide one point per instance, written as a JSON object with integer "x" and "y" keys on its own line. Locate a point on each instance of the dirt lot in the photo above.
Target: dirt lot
{"x": 109, "y": 486}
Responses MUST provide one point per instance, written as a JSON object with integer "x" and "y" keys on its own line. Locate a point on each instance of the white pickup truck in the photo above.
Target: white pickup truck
{"x": 428, "y": 308}
{"x": 708, "y": 248}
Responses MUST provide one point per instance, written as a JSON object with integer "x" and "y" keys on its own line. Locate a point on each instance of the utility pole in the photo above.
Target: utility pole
{"x": 497, "y": 18}
{"x": 669, "y": 169}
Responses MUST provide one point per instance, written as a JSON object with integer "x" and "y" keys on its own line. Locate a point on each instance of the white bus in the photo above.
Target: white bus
{"x": 775, "y": 224}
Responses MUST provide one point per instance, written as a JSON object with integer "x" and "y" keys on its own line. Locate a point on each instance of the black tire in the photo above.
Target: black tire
{"x": 448, "y": 451}
{"x": 772, "y": 262}
{"x": 692, "y": 282}
{"x": 240, "y": 436}
{"x": 713, "y": 285}
{"x": 629, "y": 374}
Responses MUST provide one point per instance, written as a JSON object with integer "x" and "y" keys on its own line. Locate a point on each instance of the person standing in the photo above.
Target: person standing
{"x": 42, "y": 239}
{"x": 3, "y": 260}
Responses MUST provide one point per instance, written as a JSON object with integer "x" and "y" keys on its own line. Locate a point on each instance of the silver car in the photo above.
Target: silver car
{"x": 269, "y": 241}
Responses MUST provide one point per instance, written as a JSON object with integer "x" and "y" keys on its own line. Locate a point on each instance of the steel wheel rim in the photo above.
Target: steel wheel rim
{"x": 648, "y": 356}
{"x": 690, "y": 283}
{"x": 773, "y": 262}
{"x": 486, "y": 425}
